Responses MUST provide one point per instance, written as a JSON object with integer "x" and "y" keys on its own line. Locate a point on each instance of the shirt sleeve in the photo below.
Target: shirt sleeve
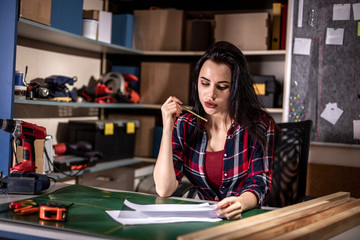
{"x": 260, "y": 168}
{"x": 178, "y": 147}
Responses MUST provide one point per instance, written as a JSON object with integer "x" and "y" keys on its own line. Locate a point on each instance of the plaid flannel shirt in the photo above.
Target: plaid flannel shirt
{"x": 245, "y": 166}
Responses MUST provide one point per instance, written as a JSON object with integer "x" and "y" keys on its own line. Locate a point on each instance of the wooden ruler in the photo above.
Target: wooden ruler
{"x": 319, "y": 218}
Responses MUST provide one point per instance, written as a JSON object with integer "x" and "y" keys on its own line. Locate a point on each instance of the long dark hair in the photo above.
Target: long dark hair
{"x": 244, "y": 106}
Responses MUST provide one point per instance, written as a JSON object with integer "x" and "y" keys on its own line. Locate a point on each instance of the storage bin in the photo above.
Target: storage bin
{"x": 122, "y": 29}
{"x": 67, "y": 15}
{"x": 115, "y": 139}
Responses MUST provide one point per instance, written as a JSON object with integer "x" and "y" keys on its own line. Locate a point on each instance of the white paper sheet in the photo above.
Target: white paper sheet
{"x": 332, "y": 113}
{"x": 302, "y": 46}
{"x": 334, "y": 36}
{"x": 164, "y": 213}
{"x": 341, "y": 12}
{"x": 356, "y": 11}
{"x": 300, "y": 13}
{"x": 136, "y": 218}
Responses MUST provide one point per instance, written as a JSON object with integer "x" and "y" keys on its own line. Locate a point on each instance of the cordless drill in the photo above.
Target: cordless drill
{"x": 25, "y": 134}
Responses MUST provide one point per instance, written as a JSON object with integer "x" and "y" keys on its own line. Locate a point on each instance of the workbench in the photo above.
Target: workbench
{"x": 323, "y": 217}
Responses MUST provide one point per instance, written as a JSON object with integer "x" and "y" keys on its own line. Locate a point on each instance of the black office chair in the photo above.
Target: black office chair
{"x": 290, "y": 165}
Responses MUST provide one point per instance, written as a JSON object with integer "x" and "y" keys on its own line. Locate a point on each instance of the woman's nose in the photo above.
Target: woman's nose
{"x": 212, "y": 93}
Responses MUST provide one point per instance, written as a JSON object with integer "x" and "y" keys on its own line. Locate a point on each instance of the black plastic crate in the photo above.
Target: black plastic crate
{"x": 115, "y": 139}
{"x": 271, "y": 96}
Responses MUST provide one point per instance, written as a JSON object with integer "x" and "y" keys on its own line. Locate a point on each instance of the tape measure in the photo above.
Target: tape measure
{"x": 54, "y": 212}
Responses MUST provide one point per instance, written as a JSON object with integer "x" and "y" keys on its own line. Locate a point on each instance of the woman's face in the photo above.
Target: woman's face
{"x": 214, "y": 84}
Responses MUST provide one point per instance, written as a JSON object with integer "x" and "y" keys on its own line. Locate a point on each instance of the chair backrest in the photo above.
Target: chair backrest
{"x": 290, "y": 163}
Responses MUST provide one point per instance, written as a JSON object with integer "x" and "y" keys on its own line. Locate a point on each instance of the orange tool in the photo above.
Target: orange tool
{"x": 54, "y": 212}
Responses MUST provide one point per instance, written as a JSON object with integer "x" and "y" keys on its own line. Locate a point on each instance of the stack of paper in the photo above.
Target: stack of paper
{"x": 164, "y": 213}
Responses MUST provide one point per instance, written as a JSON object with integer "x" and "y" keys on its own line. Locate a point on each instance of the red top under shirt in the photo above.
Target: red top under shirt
{"x": 213, "y": 169}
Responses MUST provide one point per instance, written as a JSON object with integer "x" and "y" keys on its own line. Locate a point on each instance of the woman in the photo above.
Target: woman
{"x": 228, "y": 158}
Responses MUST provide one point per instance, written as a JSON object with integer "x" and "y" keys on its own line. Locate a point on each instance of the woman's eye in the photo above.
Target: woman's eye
{"x": 223, "y": 87}
{"x": 204, "y": 83}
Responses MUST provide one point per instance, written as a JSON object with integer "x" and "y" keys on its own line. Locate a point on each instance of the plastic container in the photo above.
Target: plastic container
{"x": 20, "y": 92}
{"x": 89, "y": 28}
{"x": 19, "y": 78}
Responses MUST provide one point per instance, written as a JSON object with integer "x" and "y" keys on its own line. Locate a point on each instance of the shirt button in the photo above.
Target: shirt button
{"x": 223, "y": 187}
{"x": 225, "y": 174}
{"x": 225, "y": 155}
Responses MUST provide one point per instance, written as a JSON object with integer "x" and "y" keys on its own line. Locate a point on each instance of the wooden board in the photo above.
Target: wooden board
{"x": 314, "y": 218}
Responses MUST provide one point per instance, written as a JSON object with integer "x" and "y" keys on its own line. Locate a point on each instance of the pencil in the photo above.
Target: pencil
{"x": 185, "y": 108}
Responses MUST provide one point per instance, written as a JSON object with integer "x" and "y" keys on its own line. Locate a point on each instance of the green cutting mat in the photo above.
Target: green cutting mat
{"x": 88, "y": 214}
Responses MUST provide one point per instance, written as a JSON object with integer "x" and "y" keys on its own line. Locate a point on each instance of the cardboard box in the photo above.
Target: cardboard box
{"x": 158, "y": 30}
{"x": 67, "y": 15}
{"x": 144, "y": 135}
{"x": 159, "y": 80}
{"x": 122, "y": 29}
{"x": 199, "y": 34}
{"x": 91, "y": 14}
{"x": 36, "y": 10}
{"x": 247, "y": 31}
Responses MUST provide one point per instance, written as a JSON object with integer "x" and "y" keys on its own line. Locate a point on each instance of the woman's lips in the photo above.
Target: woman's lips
{"x": 209, "y": 104}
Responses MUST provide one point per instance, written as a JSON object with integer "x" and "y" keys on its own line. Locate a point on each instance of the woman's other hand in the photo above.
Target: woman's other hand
{"x": 232, "y": 207}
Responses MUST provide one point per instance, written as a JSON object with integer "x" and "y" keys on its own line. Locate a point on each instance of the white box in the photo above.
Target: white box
{"x": 105, "y": 26}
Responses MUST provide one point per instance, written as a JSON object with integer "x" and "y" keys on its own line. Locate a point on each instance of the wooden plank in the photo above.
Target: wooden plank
{"x": 326, "y": 228}
{"x": 222, "y": 230}
{"x": 287, "y": 223}
{"x": 295, "y": 221}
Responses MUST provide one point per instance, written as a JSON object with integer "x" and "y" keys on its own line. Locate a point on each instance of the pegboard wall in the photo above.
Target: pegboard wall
{"x": 325, "y": 72}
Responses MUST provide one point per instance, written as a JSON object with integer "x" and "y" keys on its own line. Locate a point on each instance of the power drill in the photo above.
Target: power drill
{"x": 25, "y": 134}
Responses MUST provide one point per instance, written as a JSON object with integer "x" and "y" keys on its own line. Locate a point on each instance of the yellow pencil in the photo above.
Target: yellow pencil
{"x": 185, "y": 108}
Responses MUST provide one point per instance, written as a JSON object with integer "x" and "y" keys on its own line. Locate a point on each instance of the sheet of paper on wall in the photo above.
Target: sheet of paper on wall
{"x": 331, "y": 113}
{"x": 341, "y": 12}
{"x": 302, "y": 46}
{"x": 300, "y": 13}
{"x": 334, "y": 36}
{"x": 356, "y": 11}
{"x": 356, "y": 124}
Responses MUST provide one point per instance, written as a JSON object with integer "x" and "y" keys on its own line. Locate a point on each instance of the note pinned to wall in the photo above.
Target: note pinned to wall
{"x": 331, "y": 113}
{"x": 334, "y": 36}
{"x": 302, "y": 46}
{"x": 356, "y": 124}
{"x": 356, "y": 11}
{"x": 341, "y": 12}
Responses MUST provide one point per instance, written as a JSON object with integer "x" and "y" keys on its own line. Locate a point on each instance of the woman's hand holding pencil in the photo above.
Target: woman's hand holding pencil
{"x": 171, "y": 109}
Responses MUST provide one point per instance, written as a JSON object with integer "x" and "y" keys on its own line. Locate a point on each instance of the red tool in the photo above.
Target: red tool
{"x": 21, "y": 204}
{"x": 54, "y": 212}
{"x": 25, "y": 134}
{"x": 25, "y": 207}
